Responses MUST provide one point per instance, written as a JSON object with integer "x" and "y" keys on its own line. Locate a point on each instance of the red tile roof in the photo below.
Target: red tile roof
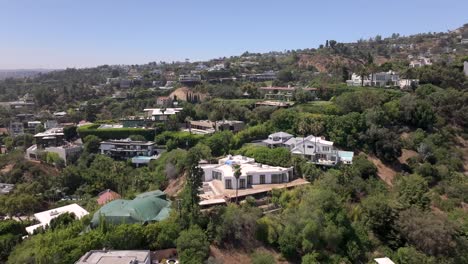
{"x": 107, "y": 196}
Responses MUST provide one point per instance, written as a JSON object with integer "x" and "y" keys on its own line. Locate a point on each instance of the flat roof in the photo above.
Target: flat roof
{"x": 45, "y": 217}
{"x": 115, "y": 257}
{"x": 384, "y": 260}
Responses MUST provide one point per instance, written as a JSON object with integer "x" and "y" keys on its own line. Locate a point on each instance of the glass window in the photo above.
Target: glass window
{"x": 228, "y": 184}
{"x": 242, "y": 184}
{"x": 262, "y": 179}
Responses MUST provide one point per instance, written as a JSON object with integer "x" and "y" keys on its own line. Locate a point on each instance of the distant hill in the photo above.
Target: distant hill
{"x": 22, "y": 73}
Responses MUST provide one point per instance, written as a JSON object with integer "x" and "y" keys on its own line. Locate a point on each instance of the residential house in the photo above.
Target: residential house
{"x": 4, "y": 131}
{"x": 133, "y": 121}
{"x": 380, "y": 79}
{"x": 6, "y": 188}
{"x": 261, "y": 77}
{"x": 160, "y": 114}
{"x": 356, "y": 80}
{"x": 107, "y": 196}
{"x": 283, "y": 93}
{"x": 164, "y": 100}
{"x": 318, "y": 151}
{"x": 420, "y": 62}
{"x": 60, "y": 114}
{"x": 252, "y": 173}
{"x": 33, "y": 124}
{"x": 45, "y": 217}
{"x": 122, "y": 149}
{"x": 207, "y": 126}
{"x": 189, "y": 78}
{"x": 16, "y": 128}
{"x": 384, "y": 260}
{"x": 408, "y": 83}
{"x": 116, "y": 257}
{"x": 125, "y": 84}
{"x": 277, "y": 139}
{"x": 50, "y": 124}
{"x": 188, "y": 95}
{"x": 145, "y": 208}
{"x": 53, "y": 140}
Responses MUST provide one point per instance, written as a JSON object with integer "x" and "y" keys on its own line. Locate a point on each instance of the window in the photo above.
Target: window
{"x": 216, "y": 175}
{"x": 310, "y": 146}
{"x": 326, "y": 148}
{"x": 285, "y": 177}
{"x": 242, "y": 184}
{"x": 275, "y": 178}
{"x": 228, "y": 184}
{"x": 262, "y": 179}
{"x": 249, "y": 180}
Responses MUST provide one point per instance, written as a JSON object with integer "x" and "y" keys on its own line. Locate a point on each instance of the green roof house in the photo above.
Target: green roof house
{"x": 146, "y": 207}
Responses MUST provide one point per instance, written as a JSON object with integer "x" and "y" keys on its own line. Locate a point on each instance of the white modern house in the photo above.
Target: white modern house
{"x": 160, "y": 114}
{"x": 380, "y": 79}
{"x": 116, "y": 257}
{"x": 319, "y": 151}
{"x": 277, "y": 139}
{"x": 53, "y": 140}
{"x": 252, "y": 173}
{"x": 45, "y": 217}
{"x": 419, "y": 62}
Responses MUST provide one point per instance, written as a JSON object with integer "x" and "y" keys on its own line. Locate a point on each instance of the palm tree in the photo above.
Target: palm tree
{"x": 237, "y": 174}
{"x": 187, "y": 120}
{"x": 363, "y": 72}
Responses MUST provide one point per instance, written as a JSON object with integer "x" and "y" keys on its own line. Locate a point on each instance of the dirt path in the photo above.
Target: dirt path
{"x": 235, "y": 256}
{"x": 7, "y": 168}
{"x": 175, "y": 186}
{"x": 386, "y": 173}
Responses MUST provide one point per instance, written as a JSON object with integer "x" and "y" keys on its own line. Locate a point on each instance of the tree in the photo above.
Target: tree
{"x": 259, "y": 257}
{"x": 237, "y": 174}
{"x": 192, "y": 246}
{"x": 412, "y": 190}
{"x": 92, "y": 144}
{"x": 431, "y": 233}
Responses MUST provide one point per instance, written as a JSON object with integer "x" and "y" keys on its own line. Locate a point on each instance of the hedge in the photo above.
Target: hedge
{"x": 114, "y": 133}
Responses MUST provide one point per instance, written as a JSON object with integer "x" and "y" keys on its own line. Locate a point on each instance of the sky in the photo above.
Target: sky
{"x": 56, "y": 34}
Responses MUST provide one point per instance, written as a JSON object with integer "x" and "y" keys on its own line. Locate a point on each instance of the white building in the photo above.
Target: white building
{"x": 252, "y": 173}
{"x": 53, "y": 140}
{"x": 384, "y": 260}
{"x": 319, "y": 151}
{"x": 160, "y": 114}
{"x": 408, "y": 83}
{"x": 419, "y": 62}
{"x": 116, "y": 257}
{"x": 356, "y": 80}
{"x": 45, "y": 217}
{"x": 277, "y": 139}
{"x": 380, "y": 79}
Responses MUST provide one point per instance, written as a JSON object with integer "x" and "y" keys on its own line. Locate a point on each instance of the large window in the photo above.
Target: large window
{"x": 276, "y": 178}
{"x": 326, "y": 148}
{"x": 216, "y": 175}
{"x": 228, "y": 184}
{"x": 242, "y": 184}
{"x": 249, "y": 180}
{"x": 262, "y": 179}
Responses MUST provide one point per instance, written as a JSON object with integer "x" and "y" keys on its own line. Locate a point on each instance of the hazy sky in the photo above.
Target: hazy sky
{"x": 81, "y": 33}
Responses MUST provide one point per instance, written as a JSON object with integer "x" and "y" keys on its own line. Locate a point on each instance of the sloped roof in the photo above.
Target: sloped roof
{"x": 146, "y": 207}
{"x": 107, "y": 196}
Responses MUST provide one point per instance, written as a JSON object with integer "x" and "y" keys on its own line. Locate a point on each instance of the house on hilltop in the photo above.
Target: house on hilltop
{"x": 187, "y": 95}
{"x": 252, "y": 173}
